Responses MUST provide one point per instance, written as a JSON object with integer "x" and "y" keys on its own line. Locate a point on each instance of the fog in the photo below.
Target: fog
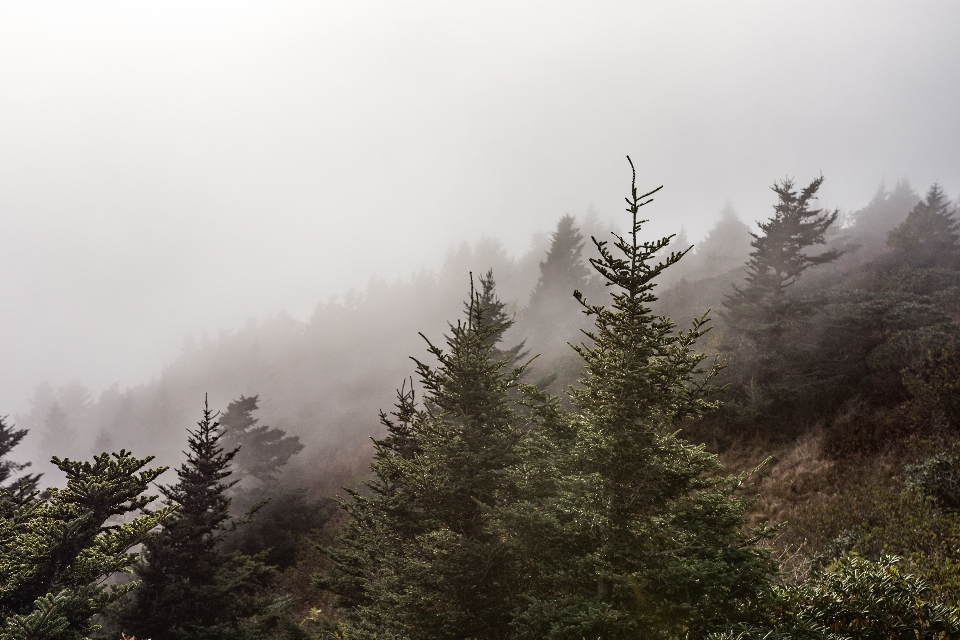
{"x": 175, "y": 169}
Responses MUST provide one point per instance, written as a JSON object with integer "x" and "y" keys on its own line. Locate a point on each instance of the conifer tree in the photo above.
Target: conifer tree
{"x": 419, "y": 558}
{"x": 10, "y": 437}
{"x": 284, "y": 514}
{"x": 56, "y": 550}
{"x": 725, "y": 247}
{"x": 261, "y": 450}
{"x": 930, "y": 236}
{"x": 189, "y": 589}
{"x": 638, "y": 539}
{"x": 550, "y": 315}
{"x": 563, "y": 271}
{"x": 760, "y": 312}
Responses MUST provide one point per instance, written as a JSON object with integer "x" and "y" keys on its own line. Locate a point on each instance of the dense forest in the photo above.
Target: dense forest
{"x": 614, "y": 436}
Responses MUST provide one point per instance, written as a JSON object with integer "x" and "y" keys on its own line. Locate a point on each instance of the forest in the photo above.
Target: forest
{"x": 614, "y": 436}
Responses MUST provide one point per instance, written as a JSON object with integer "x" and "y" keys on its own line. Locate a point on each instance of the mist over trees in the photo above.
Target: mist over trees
{"x": 554, "y": 467}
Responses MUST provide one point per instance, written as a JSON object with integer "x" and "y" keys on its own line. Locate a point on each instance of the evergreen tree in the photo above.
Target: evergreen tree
{"x": 550, "y": 320}
{"x": 284, "y": 515}
{"x": 56, "y": 550}
{"x": 886, "y": 210}
{"x": 930, "y": 236}
{"x": 550, "y": 309}
{"x": 189, "y": 589}
{"x": 760, "y": 311}
{"x": 418, "y": 557}
{"x": 261, "y": 450}
{"x": 638, "y": 538}
{"x": 725, "y": 247}
{"x": 9, "y": 438}
{"x": 497, "y": 317}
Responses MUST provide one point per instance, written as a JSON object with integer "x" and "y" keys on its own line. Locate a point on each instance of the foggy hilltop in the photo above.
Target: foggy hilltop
{"x": 437, "y": 321}
{"x": 324, "y": 379}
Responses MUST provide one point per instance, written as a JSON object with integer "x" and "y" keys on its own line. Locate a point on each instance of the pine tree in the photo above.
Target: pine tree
{"x": 284, "y": 515}
{"x": 418, "y": 557}
{"x": 10, "y": 437}
{"x": 261, "y": 450}
{"x": 930, "y": 236}
{"x": 189, "y": 589}
{"x": 725, "y": 247}
{"x": 550, "y": 314}
{"x": 638, "y": 538}
{"x": 760, "y": 312}
{"x": 56, "y": 550}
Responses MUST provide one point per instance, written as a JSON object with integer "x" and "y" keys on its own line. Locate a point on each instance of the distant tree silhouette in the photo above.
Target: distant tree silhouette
{"x": 551, "y": 319}
{"x": 760, "y": 310}
{"x": 725, "y": 247}
{"x": 869, "y": 226}
{"x": 928, "y": 238}
{"x": 563, "y": 271}
{"x": 261, "y": 450}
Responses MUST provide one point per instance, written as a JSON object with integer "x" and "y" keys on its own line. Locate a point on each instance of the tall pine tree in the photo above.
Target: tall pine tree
{"x": 418, "y": 557}
{"x": 929, "y": 237}
{"x": 638, "y": 537}
{"x": 761, "y": 312}
{"x": 189, "y": 589}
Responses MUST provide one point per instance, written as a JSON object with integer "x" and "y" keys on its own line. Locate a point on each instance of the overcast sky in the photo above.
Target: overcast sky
{"x": 173, "y": 167}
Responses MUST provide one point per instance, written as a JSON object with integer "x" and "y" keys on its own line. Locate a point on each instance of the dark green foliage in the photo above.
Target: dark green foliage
{"x": 278, "y": 531}
{"x": 497, "y": 317}
{"x": 938, "y": 479}
{"x": 854, "y": 599}
{"x": 637, "y": 537}
{"x": 934, "y": 382}
{"x": 10, "y": 437}
{"x": 191, "y": 589}
{"x": 56, "y": 550}
{"x": 262, "y": 450}
{"x": 929, "y": 237}
{"x": 420, "y": 557}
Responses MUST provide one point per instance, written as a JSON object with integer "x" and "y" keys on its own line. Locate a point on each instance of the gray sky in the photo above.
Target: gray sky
{"x": 181, "y": 166}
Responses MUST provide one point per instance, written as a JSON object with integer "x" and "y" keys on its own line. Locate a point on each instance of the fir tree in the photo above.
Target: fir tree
{"x": 419, "y": 558}
{"x": 637, "y": 538}
{"x": 497, "y": 317}
{"x": 550, "y": 319}
{"x": 283, "y": 515}
{"x": 261, "y": 450}
{"x": 189, "y": 589}
{"x": 10, "y": 437}
{"x": 550, "y": 313}
{"x": 928, "y": 238}
{"x": 56, "y": 550}
{"x": 725, "y": 247}
{"x": 760, "y": 311}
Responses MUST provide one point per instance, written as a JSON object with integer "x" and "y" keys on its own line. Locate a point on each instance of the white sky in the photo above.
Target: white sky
{"x": 168, "y": 167}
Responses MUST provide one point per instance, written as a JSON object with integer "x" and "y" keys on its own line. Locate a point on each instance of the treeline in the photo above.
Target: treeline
{"x": 578, "y": 494}
{"x": 316, "y": 379}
